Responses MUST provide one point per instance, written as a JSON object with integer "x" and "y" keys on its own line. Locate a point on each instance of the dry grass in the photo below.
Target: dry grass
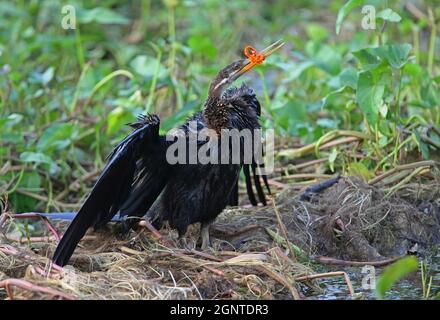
{"x": 258, "y": 253}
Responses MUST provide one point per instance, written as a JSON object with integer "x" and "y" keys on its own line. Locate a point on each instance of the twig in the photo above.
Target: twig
{"x": 146, "y": 224}
{"x": 280, "y": 279}
{"x": 325, "y": 139}
{"x": 277, "y": 184}
{"x": 430, "y": 163}
{"x": 338, "y": 142}
{"x": 337, "y": 262}
{"x": 6, "y": 249}
{"x": 303, "y": 165}
{"x": 26, "y": 285}
{"x": 45, "y": 199}
{"x": 406, "y": 180}
{"x": 283, "y": 229}
{"x": 45, "y": 220}
{"x": 304, "y": 176}
{"x": 22, "y": 240}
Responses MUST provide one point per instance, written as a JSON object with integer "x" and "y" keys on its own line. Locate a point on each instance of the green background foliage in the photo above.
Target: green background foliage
{"x": 66, "y": 95}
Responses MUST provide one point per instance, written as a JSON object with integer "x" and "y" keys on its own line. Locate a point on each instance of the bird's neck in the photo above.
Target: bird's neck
{"x": 216, "y": 113}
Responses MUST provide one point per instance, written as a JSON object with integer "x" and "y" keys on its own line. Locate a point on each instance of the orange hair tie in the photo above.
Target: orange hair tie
{"x": 253, "y": 55}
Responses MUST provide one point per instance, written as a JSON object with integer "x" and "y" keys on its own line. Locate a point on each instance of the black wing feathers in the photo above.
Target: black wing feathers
{"x": 112, "y": 188}
{"x": 250, "y": 98}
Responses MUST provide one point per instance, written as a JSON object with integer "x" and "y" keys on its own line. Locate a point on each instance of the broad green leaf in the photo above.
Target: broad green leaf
{"x": 291, "y": 116}
{"x": 394, "y": 273}
{"x": 359, "y": 169}
{"x": 389, "y": 15}
{"x": 395, "y": 54}
{"x": 367, "y": 58}
{"x": 56, "y": 137}
{"x": 349, "y": 77}
{"x": 369, "y": 94}
{"x": 295, "y": 70}
{"x": 345, "y": 10}
{"x": 35, "y": 157}
{"x": 325, "y": 57}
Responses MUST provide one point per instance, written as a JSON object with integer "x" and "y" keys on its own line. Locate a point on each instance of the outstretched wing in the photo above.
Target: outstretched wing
{"x": 136, "y": 165}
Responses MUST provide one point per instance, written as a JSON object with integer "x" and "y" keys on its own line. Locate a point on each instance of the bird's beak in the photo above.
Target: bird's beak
{"x": 249, "y": 63}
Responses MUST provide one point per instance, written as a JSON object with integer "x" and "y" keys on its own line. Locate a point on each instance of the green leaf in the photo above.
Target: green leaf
{"x": 367, "y": 58}
{"x": 56, "y": 137}
{"x": 369, "y": 94}
{"x": 101, "y": 16}
{"x": 35, "y": 157}
{"x": 30, "y": 180}
{"x": 117, "y": 118}
{"x": 429, "y": 95}
{"x": 10, "y": 121}
{"x": 344, "y": 11}
{"x": 394, "y": 273}
{"x": 325, "y": 100}
{"x": 389, "y": 15}
{"x": 202, "y": 45}
{"x": 146, "y": 66}
{"x": 359, "y": 169}
{"x": 332, "y": 158}
{"x": 395, "y": 54}
{"x": 47, "y": 75}
{"x": 423, "y": 147}
{"x": 349, "y": 77}
{"x": 316, "y": 32}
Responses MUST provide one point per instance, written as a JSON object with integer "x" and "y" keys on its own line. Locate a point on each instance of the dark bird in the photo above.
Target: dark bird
{"x": 138, "y": 180}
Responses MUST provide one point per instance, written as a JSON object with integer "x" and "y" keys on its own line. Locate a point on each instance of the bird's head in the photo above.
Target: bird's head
{"x": 233, "y": 71}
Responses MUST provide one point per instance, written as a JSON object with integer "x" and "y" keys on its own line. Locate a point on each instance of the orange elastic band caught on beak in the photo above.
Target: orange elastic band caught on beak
{"x": 256, "y": 57}
{"x": 253, "y": 55}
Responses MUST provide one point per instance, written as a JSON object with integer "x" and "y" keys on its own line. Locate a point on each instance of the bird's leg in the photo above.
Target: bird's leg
{"x": 204, "y": 234}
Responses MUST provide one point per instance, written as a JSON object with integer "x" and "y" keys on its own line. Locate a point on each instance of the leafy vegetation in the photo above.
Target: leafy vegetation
{"x": 65, "y": 95}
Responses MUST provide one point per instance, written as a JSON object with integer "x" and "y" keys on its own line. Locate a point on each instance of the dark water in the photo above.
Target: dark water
{"x": 409, "y": 288}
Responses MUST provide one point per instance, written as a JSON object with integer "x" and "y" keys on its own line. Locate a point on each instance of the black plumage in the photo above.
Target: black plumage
{"x": 138, "y": 180}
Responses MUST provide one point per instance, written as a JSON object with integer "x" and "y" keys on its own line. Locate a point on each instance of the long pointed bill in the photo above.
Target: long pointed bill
{"x": 254, "y": 58}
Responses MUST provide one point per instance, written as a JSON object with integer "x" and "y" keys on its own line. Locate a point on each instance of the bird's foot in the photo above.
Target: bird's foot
{"x": 184, "y": 244}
